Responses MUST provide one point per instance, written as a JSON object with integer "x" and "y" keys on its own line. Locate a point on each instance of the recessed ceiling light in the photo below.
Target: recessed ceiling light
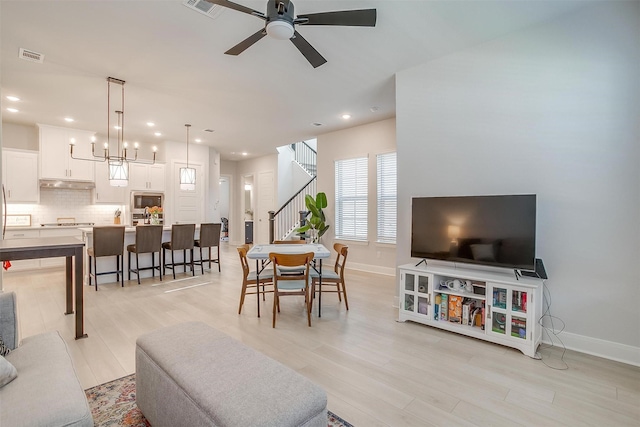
{"x": 12, "y": 110}
{"x": 198, "y": 140}
{"x": 117, "y": 127}
{"x": 157, "y": 133}
{"x": 244, "y": 153}
{"x": 151, "y": 124}
{"x": 68, "y": 119}
{"x": 346, "y": 116}
{"x": 13, "y": 98}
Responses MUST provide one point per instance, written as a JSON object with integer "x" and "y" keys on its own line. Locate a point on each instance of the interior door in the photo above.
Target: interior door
{"x": 187, "y": 205}
{"x": 266, "y": 203}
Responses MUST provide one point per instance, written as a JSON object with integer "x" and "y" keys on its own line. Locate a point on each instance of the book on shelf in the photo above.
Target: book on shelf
{"x": 444, "y": 307}
{"x": 455, "y": 309}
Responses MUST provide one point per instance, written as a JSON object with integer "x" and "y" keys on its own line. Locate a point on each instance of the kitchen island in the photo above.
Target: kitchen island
{"x": 108, "y": 263}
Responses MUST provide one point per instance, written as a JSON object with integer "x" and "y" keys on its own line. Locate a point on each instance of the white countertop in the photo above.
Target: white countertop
{"x": 39, "y": 227}
{"x": 127, "y": 229}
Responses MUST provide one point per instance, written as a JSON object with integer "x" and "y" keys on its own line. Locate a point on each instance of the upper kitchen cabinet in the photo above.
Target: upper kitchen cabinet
{"x": 104, "y": 191}
{"x": 146, "y": 177}
{"x": 20, "y": 176}
{"x": 55, "y": 160}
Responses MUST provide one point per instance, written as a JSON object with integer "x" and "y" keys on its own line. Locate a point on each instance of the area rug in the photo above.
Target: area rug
{"x": 114, "y": 404}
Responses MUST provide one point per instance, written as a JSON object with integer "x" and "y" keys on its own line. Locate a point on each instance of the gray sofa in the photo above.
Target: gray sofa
{"x": 46, "y": 391}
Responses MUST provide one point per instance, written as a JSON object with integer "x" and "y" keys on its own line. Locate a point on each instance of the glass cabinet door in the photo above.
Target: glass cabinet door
{"x": 416, "y": 288}
{"x": 518, "y": 311}
{"x": 508, "y": 314}
{"x": 409, "y": 282}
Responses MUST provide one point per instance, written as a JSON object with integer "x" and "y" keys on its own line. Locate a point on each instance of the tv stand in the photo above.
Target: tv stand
{"x": 494, "y": 307}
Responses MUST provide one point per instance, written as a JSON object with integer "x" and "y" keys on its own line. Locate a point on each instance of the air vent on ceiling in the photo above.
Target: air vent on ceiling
{"x": 208, "y": 130}
{"x": 204, "y": 7}
{"x": 30, "y": 55}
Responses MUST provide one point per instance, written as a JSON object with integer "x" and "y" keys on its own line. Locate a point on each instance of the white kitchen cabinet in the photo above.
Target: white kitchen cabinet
{"x": 146, "y": 177}
{"x": 55, "y": 159}
{"x": 104, "y": 191}
{"x": 490, "y": 306}
{"x": 20, "y": 176}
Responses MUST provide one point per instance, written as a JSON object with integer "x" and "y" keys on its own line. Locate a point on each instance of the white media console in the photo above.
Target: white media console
{"x": 490, "y": 306}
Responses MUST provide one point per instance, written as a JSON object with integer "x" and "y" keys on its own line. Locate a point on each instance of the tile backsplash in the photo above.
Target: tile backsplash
{"x": 63, "y": 203}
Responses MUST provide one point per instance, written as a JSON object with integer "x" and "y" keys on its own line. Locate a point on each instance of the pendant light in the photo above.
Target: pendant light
{"x": 119, "y": 161}
{"x": 187, "y": 175}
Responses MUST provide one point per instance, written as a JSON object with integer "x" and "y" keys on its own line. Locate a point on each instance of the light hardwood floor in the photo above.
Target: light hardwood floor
{"x": 376, "y": 371}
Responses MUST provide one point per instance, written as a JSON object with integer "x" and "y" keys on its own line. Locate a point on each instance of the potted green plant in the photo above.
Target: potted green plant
{"x": 315, "y": 222}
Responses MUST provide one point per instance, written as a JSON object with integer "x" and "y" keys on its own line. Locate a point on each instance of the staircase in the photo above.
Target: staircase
{"x": 284, "y": 221}
{"x": 306, "y": 157}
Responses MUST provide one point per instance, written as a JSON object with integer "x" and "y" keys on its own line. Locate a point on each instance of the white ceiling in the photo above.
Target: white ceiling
{"x": 173, "y": 61}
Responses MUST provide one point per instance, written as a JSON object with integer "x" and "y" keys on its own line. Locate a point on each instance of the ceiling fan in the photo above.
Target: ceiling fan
{"x": 280, "y": 20}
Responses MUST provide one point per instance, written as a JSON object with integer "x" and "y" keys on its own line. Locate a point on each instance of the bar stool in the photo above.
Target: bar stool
{"x": 107, "y": 241}
{"x": 181, "y": 240}
{"x": 148, "y": 240}
{"x": 209, "y": 237}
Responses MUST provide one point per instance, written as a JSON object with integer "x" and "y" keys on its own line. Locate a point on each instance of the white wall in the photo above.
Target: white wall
{"x": 552, "y": 110}
{"x": 244, "y": 168}
{"x": 24, "y": 137}
{"x": 285, "y": 174}
{"x": 366, "y": 140}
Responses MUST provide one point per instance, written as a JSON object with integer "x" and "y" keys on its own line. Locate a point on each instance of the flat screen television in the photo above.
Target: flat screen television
{"x": 498, "y": 231}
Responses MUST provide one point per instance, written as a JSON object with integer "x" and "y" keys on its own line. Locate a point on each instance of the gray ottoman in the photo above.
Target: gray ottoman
{"x": 193, "y": 375}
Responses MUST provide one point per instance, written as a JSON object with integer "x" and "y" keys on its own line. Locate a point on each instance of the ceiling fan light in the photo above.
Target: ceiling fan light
{"x": 280, "y": 30}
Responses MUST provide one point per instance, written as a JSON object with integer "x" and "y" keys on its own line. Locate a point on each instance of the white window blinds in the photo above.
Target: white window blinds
{"x": 387, "y": 197}
{"x": 351, "y": 199}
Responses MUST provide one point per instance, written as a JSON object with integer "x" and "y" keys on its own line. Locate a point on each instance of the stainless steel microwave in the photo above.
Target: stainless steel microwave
{"x": 140, "y": 200}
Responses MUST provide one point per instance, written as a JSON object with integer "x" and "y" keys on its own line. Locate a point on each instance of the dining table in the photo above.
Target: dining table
{"x": 50, "y": 247}
{"x": 261, "y": 254}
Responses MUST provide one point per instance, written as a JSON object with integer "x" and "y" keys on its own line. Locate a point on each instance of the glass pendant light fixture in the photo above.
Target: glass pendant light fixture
{"x": 187, "y": 175}
{"x": 119, "y": 161}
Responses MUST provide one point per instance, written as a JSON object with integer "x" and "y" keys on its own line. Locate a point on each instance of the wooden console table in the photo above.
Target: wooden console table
{"x": 51, "y": 247}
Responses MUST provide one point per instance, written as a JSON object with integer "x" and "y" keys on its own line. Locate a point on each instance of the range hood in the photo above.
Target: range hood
{"x": 67, "y": 185}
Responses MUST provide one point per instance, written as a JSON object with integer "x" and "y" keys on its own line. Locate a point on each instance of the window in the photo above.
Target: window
{"x": 351, "y": 199}
{"x": 387, "y": 197}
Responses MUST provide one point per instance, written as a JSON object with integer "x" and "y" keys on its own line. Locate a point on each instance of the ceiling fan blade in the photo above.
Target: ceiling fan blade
{"x": 312, "y": 55}
{"x": 349, "y": 18}
{"x": 246, "y": 43}
{"x": 238, "y": 7}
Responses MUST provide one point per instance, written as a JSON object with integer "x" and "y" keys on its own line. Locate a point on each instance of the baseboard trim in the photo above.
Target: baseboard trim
{"x": 596, "y": 347}
{"x": 368, "y": 268}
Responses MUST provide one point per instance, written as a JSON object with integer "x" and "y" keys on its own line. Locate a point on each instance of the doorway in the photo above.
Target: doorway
{"x": 224, "y": 205}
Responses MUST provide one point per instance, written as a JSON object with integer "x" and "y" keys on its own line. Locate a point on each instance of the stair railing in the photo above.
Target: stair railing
{"x": 305, "y": 156}
{"x": 284, "y": 221}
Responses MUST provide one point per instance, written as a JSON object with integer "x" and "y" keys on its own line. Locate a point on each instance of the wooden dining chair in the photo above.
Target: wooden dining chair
{"x": 291, "y": 284}
{"x": 335, "y": 277}
{"x": 249, "y": 278}
{"x": 292, "y": 270}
